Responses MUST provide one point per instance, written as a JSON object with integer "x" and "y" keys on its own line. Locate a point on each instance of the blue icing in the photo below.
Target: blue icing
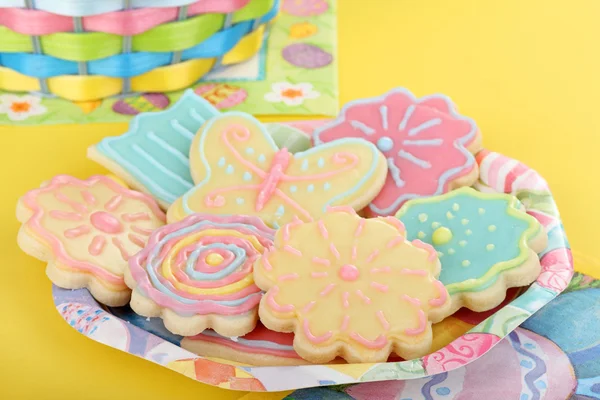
{"x": 474, "y": 223}
{"x": 240, "y": 258}
{"x": 221, "y": 163}
{"x": 240, "y": 200}
{"x": 326, "y": 186}
{"x": 247, "y": 176}
{"x": 154, "y": 151}
{"x": 249, "y": 150}
{"x": 261, "y": 158}
{"x": 385, "y": 143}
{"x": 280, "y": 211}
{"x": 321, "y": 162}
{"x": 293, "y": 188}
{"x": 304, "y": 165}
{"x": 310, "y": 188}
{"x": 229, "y": 170}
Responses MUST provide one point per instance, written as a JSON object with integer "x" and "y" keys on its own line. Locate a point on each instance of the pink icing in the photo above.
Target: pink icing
{"x": 75, "y": 205}
{"x": 372, "y": 256}
{"x": 76, "y": 232}
{"x": 378, "y": 343}
{"x": 345, "y": 301}
{"x": 354, "y": 252}
{"x": 412, "y": 300}
{"x": 380, "y": 287}
{"x": 322, "y": 261}
{"x": 395, "y": 241}
{"x": 114, "y": 203}
{"x": 309, "y": 306}
{"x": 422, "y": 325}
{"x": 363, "y": 297}
{"x": 292, "y": 250}
{"x": 427, "y": 247}
{"x": 443, "y": 295}
{"x": 312, "y": 337}
{"x": 319, "y": 274}
{"x": 382, "y": 269}
{"x": 265, "y": 260}
{"x": 348, "y": 272}
{"x": 397, "y": 223}
{"x": 328, "y": 289}
{"x": 359, "y": 228}
{"x": 119, "y": 245}
{"x": 323, "y": 229}
{"x": 334, "y": 251}
{"x": 289, "y": 277}
{"x": 138, "y": 241}
{"x": 132, "y": 217}
{"x": 106, "y": 222}
{"x": 276, "y": 172}
{"x": 345, "y": 323}
{"x": 384, "y": 322}
{"x": 88, "y": 197}
{"x": 96, "y": 246}
{"x": 286, "y": 229}
{"x": 270, "y": 298}
{"x": 425, "y": 147}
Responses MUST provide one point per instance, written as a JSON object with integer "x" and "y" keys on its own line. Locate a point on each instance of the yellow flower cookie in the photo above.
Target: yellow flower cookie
{"x": 86, "y": 231}
{"x": 351, "y": 287}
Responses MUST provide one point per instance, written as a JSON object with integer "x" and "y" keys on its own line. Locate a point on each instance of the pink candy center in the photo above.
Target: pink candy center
{"x": 348, "y": 272}
{"x": 106, "y": 222}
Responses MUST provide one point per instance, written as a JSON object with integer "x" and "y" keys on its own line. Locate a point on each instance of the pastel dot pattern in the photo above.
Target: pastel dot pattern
{"x": 489, "y": 236}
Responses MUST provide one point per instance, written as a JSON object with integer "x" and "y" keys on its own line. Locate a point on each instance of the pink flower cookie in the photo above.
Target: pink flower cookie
{"x": 86, "y": 231}
{"x": 428, "y": 146}
{"x": 197, "y": 274}
{"x": 351, "y": 287}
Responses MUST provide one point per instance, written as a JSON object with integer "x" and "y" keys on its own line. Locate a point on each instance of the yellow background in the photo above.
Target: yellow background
{"x": 527, "y": 71}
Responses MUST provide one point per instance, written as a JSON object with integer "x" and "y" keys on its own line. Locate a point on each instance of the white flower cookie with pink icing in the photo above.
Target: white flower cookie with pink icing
{"x": 197, "y": 274}
{"x": 351, "y": 287}
{"x": 86, "y": 231}
{"x": 428, "y": 146}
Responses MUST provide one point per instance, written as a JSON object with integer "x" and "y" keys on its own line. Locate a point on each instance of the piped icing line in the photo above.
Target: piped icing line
{"x": 270, "y": 298}
{"x": 344, "y": 209}
{"x": 54, "y": 222}
{"x": 359, "y": 228}
{"x": 287, "y": 227}
{"x": 427, "y": 247}
{"x": 292, "y": 250}
{"x": 324, "y": 232}
{"x": 429, "y": 145}
{"x": 353, "y": 287}
{"x": 169, "y": 271}
{"x": 322, "y": 261}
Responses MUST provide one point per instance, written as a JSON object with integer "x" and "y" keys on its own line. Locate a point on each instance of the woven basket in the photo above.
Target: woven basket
{"x": 85, "y": 50}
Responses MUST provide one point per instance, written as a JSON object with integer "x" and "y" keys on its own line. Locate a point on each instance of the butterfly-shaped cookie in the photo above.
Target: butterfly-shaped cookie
{"x": 238, "y": 169}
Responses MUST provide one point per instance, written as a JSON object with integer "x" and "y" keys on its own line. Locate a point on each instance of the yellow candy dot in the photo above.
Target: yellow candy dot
{"x": 449, "y": 215}
{"x": 492, "y": 228}
{"x": 451, "y": 251}
{"x": 421, "y": 235}
{"x": 490, "y": 247}
{"x": 441, "y": 236}
{"x": 464, "y": 221}
{"x": 422, "y": 217}
{"x": 455, "y": 207}
{"x": 435, "y": 225}
{"x": 481, "y": 211}
{"x": 466, "y": 263}
{"x": 214, "y": 259}
{"x": 462, "y": 243}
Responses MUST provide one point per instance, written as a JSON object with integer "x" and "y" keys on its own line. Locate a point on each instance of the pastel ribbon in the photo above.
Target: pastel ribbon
{"x": 124, "y": 23}
{"x": 82, "y": 8}
{"x": 162, "y": 79}
{"x": 173, "y": 36}
{"x": 130, "y": 64}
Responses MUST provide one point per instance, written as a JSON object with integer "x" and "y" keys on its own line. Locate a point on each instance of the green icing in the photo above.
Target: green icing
{"x": 489, "y": 234}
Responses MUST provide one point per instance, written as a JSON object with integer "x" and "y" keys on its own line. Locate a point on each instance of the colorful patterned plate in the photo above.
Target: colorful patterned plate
{"x": 458, "y": 340}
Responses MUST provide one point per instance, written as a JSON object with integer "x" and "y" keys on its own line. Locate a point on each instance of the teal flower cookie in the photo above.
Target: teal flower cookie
{"x": 486, "y": 243}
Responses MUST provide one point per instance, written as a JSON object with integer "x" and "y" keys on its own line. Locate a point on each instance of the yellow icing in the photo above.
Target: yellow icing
{"x": 492, "y": 228}
{"x": 214, "y": 259}
{"x": 441, "y": 236}
{"x": 423, "y": 217}
{"x": 169, "y": 264}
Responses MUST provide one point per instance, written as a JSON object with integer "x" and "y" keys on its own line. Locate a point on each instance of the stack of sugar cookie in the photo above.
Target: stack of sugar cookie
{"x": 347, "y": 251}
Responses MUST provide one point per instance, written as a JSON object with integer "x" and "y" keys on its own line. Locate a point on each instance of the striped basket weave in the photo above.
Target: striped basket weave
{"x": 85, "y": 50}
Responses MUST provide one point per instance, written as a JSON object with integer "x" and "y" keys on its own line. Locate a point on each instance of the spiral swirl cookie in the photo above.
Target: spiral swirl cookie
{"x": 197, "y": 274}
{"x": 351, "y": 287}
{"x": 486, "y": 243}
{"x": 86, "y": 231}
